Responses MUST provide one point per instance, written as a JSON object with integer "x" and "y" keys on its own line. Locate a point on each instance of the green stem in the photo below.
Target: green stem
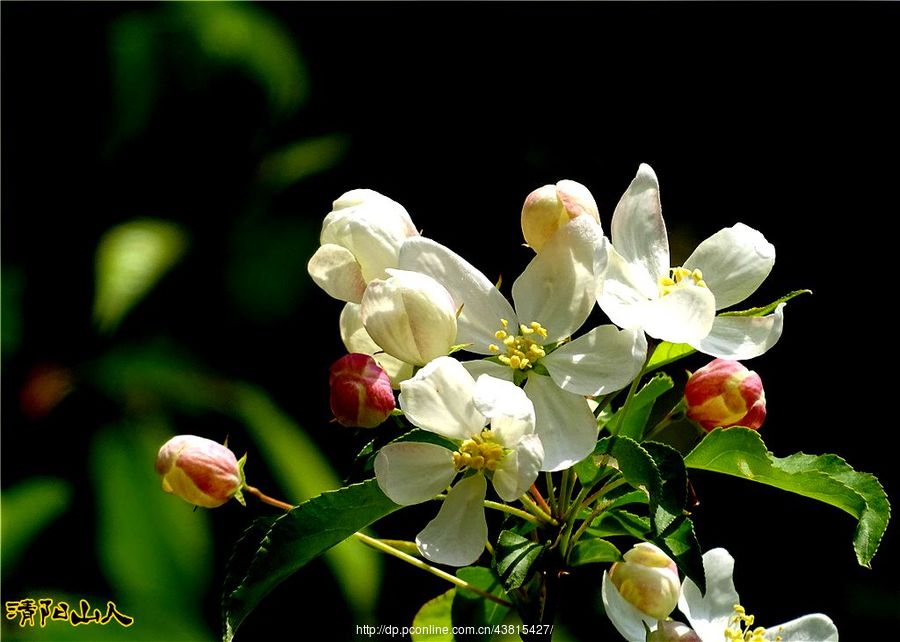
{"x": 537, "y": 511}
{"x": 563, "y": 496}
{"x": 518, "y": 512}
{"x": 584, "y": 526}
{"x": 409, "y": 559}
{"x": 551, "y": 493}
{"x": 268, "y": 500}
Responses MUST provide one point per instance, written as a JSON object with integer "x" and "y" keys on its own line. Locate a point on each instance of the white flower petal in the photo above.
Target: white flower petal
{"x": 412, "y": 473}
{"x": 565, "y": 424}
{"x": 372, "y": 227}
{"x": 627, "y": 619}
{"x": 734, "y": 262}
{"x": 482, "y": 304}
{"x": 602, "y": 361}
{"x": 519, "y": 468}
{"x": 809, "y": 628}
{"x": 709, "y": 615}
{"x": 639, "y": 232}
{"x": 685, "y": 315}
{"x": 439, "y": 399}
{"x": 559, "y": 287}
{"x": 478, "y": 367}
{"x": 622, "y": 298}
{"x": 356, "y": 339}
{"x": 335, "y": 270}
{"x": 495, "y": 398}
{"x": 457, "y": 535}
{"x": 410, "y": 315}
{"x": 741, "y": 338}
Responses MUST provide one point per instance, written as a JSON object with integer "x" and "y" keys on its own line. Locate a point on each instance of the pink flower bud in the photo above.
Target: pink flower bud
{"x": 199, "y": 470}
{"x": 648, "y": 580}
{"x": 550, "y": 207}
{"x": 361, "y": 392}
{"x": 724, "y": 393}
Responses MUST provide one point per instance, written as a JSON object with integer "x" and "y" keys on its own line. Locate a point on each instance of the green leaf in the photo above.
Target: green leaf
{"x": 471, "y": 609}
{"x": 641, "y": 472}
{"x": 640, "y": 408}
{"x": 667, "y": 353}
{"x": 435, "y": 616}
{"x": 292, "y": 163}
{"x": 592, "y": 551}
{"x": 620, "y": 522}
{"x": 673, "y": 495}
{"x": 766, "y": 309}
{"x": 28, "y": 508}
{"x": 131, "y": 258}
{"x": 828, "y": 478}
{"x": 293, "y": 540}
{"x": 244, "y": 37}
{"x": 681, "y": 544}
{"x": 135, "y": 54}
{"x": 303, "y": 471}
{"x": 515, "y": 558}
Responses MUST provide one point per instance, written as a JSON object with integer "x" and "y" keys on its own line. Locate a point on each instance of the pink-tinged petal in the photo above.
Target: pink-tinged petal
{"x": 639, "y": 232}
{"x": 734, "y": 262}
{"x": 412, "y": 473}
{"x": 559, "y": 287}
{"x": 685, "y": 315}
{"x": 457, "y": 535}
{"x": 482, "y": 304}
{"x": 742, "y": 338}
{"x": 335, "y": 270}
{"x": 602, "y": 361}
{"x": 519, "y": 468}
{"x": 439, "y": 399}
{"x": 565, "y": 424}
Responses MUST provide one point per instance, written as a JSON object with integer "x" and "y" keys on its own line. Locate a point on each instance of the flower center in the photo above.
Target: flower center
{"x": 522, "y": 349}
{"x": 678, "y": 278}
{"x": 478, "y": 453}
{"x": 739, "y": 628}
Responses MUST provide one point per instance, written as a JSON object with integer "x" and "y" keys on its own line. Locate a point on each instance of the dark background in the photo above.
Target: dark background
{"x": 780, "y": 116}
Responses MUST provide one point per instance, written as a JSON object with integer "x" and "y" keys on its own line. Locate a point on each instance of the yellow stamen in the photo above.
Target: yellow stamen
{"x": 479, "y": 453}
{"x": 679, "y": 277}
{"x": 523, "y": 349}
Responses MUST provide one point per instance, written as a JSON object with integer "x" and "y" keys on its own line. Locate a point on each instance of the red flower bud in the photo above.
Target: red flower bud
{"x": 361, "y": 392}
{"x": 724, "y": 393}
{"x": 200, "y": 471}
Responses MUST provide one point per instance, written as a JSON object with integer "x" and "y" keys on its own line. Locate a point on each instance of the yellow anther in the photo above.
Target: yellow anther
{"x": 522, "y": 349}
{"x": 679, "y": 277}
{"x": 478, "y": 453}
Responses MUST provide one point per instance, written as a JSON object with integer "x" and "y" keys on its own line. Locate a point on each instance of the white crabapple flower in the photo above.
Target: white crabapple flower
{"x": 410, "y": 316}
{"x": 641, "y": 589}
{"x": 715, "y": 617}
{"x": 679, "y": 304}
{"x": 553, "y": 298}
{"x": 719, "y": 617}
{"x": 444, "y": 399}
{"x": 360, "y": 239}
